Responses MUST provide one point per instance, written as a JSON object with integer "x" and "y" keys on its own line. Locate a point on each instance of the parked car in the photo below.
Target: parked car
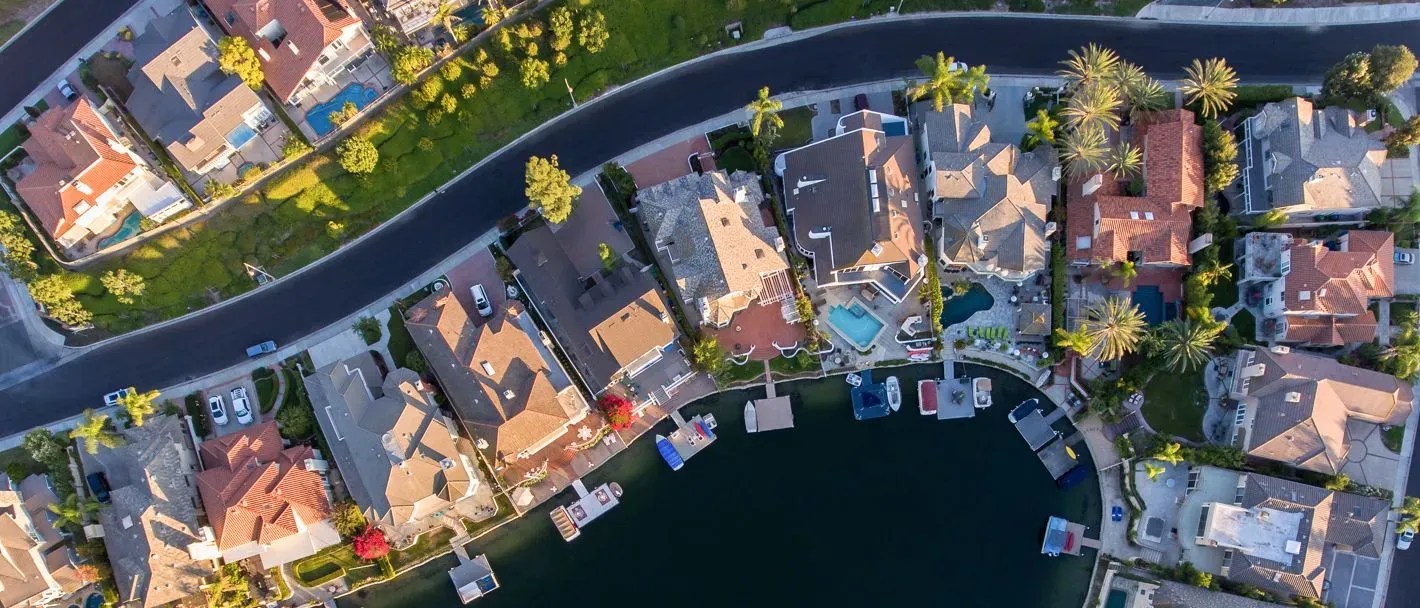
{"x": 67, "y": 90}
{"x": 1403, "y": 542}
{"x": 1404, "y": 257}
{"x": 257, "y": 350}
{"x": 241, "y": 406}
{"x": 481, "y": 301}
{"x": 219, "y": 413}
{"x": 111, "y": 399}
{"x": 98, "y": 486}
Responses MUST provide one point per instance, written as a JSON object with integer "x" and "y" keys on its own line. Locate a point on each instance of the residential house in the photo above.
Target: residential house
{"x": 614, "y": 327}
{"x": 1308, "y": 292}
{"x": 503, "y": 382}
{"x": 184, "y": 102}
{"x": 37, "y": 564}
{"x": 399, "y": 455}
{"x": 854, "y": 205}
{"x": 264, "y": 500}
{"x": 303, "y": 45}
{"x": 412, "y": 15}
{"x": 150, "y": 524}
{"x": 1148, "y": 221}
{"x": 1305, "y": 410}
{"x": 725, "y": 252}
{"x": 993, "y": 199}
{"x": 1278, "y": 535}
{"x": 84, "y": 176}
{"x": 1312, "y": 164}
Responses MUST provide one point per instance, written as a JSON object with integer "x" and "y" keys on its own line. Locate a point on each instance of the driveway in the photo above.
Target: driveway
{"x": 477, "y": 270}
{"x": 1407, "y": 276}
{"x": 225, "y": 390}
{"x": 1352, "y": 580}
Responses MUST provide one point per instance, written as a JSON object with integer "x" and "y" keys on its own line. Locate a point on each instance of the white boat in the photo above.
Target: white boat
{"x": 853, "y": 379}
{"x": 981, "y": 392}
{"x": 894, "y": 393}
{"x": 751, "y": 422}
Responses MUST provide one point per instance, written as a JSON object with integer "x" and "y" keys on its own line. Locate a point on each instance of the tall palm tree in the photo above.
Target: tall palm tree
{"x": 764, "y": 115}
{"x": 1076, "y": 340}
{"x": 1214, "y": 271}
{"x": 1404, "y": 355}
{"x": 946, "y": 84}
{"x": 1041, "y": 129}
{"x": 1212, "y": 83}
{"x": 1153, "y": 471}
{"x": 1091, "y": 63}
{"x": 1140, "y": 92}
{"x": 72, "y": 510}
{"x": 95, "y": 431}
{"x": 1171, "y": 453}
{"x": 1125, "y": 271}
{"x": 139, "y": 405}
{"x": 1093, "y": 105}
{"x": 1084, "y": 150}
{"x": 1187, "y": 344}
{"x": 1115, "y": 327}
{"x": 1125, "y": 161}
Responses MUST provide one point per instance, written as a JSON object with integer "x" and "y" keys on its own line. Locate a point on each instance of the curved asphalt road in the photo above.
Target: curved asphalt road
{"x": 46, "y": 45}
{"x": 348, "y": 281}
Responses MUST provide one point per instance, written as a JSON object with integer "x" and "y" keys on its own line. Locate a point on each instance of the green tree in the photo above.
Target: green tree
{"x": 1187, "y": 344}
{"x": 559, "y": 21}
{"x": 534, "y": 72}
{"x": 17, "y": 258}
{"x": 347, "y": 518}
{"x": 764, "y": 116}
{"x": 448, "y": 103}
{"x": 387, "y": 42}
{"x": 1115, "y": 328}
{"x": 72, "y": 511}
{"x": 294, "y": 146}
{"x": 94, "y": 430}
{"x": 1212, "y": 84}
{"x": 232, "y": 589}
{"x": 451, "y": 71}
{"x": 608, "y": 256}
{"x": 408, "y": 61}
{"x": 1338, "y": 482}
{"x": 1391, "y": 66}
{"x": 139, "y": 405}
{"x": 946, "y": 83}
{"x": 1125, "y": 271}
{"x": 1125, "y": 161}
{"x": 415, "y": 362}
{"x": 708, "y": 356}
{"x": 1220, "y": 154}
{"x": 1350, "y": 78}
{"x": 1140, "y": 92}
{"x": 1268, "y": 219}
{"x": 1041, "y": 129}
{"x": 235, "y": 56}
{"x": 1093, "y": 106}
{"x": 217, "y": 190}
{"x": 1084, "y": 150}
{"x": 1078, "y": 341}
{"x": 1402, "y": 357}
{"x": 1171, "y": 452}
{"x": 550, "y": 189}
{"x": 1153, "y": 471}
{"x": 123, "y": 285}
{"x": 53, "y": 293}
{"x": 1406, "y": 135}
{"x": 467, "y": 90}
{"x": 591, "y": 31}
{"x": 1091, "y": 63}
{"x": 45, "y": 448}
{"x": 357, "y": 155}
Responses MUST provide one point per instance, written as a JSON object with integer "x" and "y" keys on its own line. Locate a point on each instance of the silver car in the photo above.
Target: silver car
{"x": 219, "y": 413}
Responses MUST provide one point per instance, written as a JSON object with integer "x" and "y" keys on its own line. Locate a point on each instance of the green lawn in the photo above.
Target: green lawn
{"x": 1127, "y": 8}
{"x": 428, "y": 545}
{"x": 505, "y": 510}
{"x": 327, "y": 565}
{"x": 735, "y": 374}
{"x": 798, "y": 364}
{"x": 1225, "y": 292}
{"x": 265, "y": 381}
{"x": 1174, "y": 404}
{"x": 400, "y": 343}
{"x": 798, "y": 128}
{"x": 9, "y": 28}
{"x": 1393, "y": 438}
{"x": 1246, "y": 325}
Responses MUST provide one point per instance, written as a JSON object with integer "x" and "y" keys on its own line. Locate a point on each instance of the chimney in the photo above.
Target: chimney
{"x": 509, "y": 394}
{"x": 1093, "y": 184}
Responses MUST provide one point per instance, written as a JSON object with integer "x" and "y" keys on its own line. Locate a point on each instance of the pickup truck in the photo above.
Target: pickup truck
{"x": 257, "y": 350}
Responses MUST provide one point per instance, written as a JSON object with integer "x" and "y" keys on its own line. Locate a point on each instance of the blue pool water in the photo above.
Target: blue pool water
{"x": 1150, "y": 302}
{"x": 958, "y": 309}
{"x": 471, "y": 14}
{"x": 128, "y": 228}
{"x": 240, "y": 135}
{"x": 94, "y": 601}
{"x": 894, "y": 128}
{"x": 855, "y": 323}
{"x": 319, "y": 115}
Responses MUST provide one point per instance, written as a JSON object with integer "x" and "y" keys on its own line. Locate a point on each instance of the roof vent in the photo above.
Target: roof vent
{"x": 446, "y": 464}
{"x": 1293, "y": 547}
{"x": 724, "y": 221}
{"x": 127, "y": 522}
{"x": 877, "y": 248}
{"x": 509, "y": 394}
{"x": 1294, "y": 397}
{"x": 1304, "y": 295}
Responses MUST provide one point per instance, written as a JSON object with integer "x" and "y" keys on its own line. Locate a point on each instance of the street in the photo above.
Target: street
{"x": 40, "y": 51}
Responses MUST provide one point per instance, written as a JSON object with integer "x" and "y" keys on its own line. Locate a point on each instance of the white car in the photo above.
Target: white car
{"x": 481, "y": 301}
{"x": 111, "y": 399}
{"x": 1403, "y": 542}
{"x": 240, "y": 406}
{"x": 219, "y": 413}
{"x": 1404, "y": 258}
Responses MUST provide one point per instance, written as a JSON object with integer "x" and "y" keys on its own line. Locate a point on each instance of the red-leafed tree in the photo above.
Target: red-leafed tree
{"x": 617, "y": 411}
{"x": 370, "y": 544}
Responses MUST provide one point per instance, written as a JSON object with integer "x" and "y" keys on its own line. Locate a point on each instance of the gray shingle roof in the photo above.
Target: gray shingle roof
{"x": 1315, "y": 158}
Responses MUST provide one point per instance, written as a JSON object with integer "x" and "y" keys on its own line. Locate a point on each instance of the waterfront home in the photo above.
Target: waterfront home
{"x": 1147, "y": 221}
{"x": 1309, "y": 293}
{"x": 81, "y": 176}
{"x": 854, "y": 204}
{"x": 993, "y": 199}
{"x": 615, "y": 326}
{"x": 502, "y": 380}
{"x": 1279, "y": 535}
{"x": 724, "y": 252}
{"x": 152, "y": 518}
{"x": 412, "y": 15}
{"x": 37, "y": 564}
{"x": 303, "y": 45}
{"x": 265, "y": 500}
{"x": 1312, "y": 164}
{"x": 1305, "y": 410}
{"x": 401, "y": 459}
{"x": 184, "y": 102}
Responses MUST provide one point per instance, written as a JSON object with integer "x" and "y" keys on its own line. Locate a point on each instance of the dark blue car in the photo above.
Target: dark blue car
{"x": 98, "y": 485}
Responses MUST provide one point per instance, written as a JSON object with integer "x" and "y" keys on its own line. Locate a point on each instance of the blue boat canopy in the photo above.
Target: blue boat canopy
{"x": 669, "y": 453}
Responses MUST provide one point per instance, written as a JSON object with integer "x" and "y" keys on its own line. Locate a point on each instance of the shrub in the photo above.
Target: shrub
{"x": 358, "y": 155}
{"x": 369, "y": 329}
{"x": 450, "y": 71}
{"x": 617, "y": 411}
{"x": 370, "y": 544}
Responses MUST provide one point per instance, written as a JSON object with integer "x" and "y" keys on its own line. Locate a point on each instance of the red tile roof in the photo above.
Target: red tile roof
{"x": 1333, "y": 288}
{"x": 72, "y": 148}
{"x": 255, "y": 491}
{"x": 309, "y": 28}
{"x": 1173, "y": 176}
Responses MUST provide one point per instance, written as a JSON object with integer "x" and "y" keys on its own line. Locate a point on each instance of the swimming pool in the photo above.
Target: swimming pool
{"x": 855, "y": 323}
{"x": 128, "y": 228}
{"x": 240, "y": 135}
{"x": 958, "y": 309}
{"x": 319, "y": 115}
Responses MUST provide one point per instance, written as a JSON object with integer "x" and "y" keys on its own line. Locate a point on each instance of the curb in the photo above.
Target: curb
{"x": 31, "y": 23}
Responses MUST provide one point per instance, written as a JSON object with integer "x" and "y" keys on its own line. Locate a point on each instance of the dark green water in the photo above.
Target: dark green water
{"x": 903, "y": 510}
{"x": 960, "y": 308}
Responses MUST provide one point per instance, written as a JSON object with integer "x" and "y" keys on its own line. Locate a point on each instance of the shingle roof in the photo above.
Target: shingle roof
{"x": 73, "y": 150}
{"x": 255, "y": 491}
{"x": 1173, "y": 185}
{"x": 1319, "y": 158}
{"x": 310, "y": 25}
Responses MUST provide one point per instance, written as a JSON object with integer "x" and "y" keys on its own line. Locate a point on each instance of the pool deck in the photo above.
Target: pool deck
{"x": 885, "y": 347}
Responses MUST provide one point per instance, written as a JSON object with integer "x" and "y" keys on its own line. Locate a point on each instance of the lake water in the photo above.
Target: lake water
{"x": 903, "y": 510}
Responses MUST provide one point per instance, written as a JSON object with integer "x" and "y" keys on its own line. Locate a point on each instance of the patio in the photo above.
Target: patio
{"x": 885, "y": 346}
{"x": 262, "y": 151}
{"x": 569, "y": 457}
{"x": 373, "y": 73}
{"x": 759, "y": 332}
{"x": 667, "y": 163}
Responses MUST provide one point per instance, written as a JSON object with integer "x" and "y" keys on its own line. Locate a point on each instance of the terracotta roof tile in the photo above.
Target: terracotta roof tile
{"x": 310, "y": 25}
{"x": 254, "y": 490}
{"x": 72, "y": 148}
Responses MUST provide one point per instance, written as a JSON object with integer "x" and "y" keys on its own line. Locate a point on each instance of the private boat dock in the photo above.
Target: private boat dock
{"x": 1064, "y": 536}
{"x": 769, "y": 414}
{"x": 589, "y": 506}
{"x": 687, "y": 440}
{"x": 473, "y": 577}
{"x": 870, "y": 400}
{"x": 946, "y": 398}
{"x": 1049, "y": 446}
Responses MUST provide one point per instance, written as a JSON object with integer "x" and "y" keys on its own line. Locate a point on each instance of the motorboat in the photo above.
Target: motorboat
{"x": 751, "y": 421}
{"x": 853, "y": 380}
{"x": 669, "y": 453}
{"x": 981, "y": 392}
{"x": 1023, "y": 410}
{"x": 894, "y": 393}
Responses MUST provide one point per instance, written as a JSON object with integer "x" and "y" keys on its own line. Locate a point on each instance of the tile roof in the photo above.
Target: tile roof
{"x": 23, "y": 570}
{"x": 73, "y": 150}
{"x": 1333, "y": 287}
{"x": 1173, "y": 188}
{"x": 1315, "y": 158}
{"x": 257, "y": 492}
{"x": 500, "y": 382}
{"x": 180, "y": 96}
{"x": 310, "y": 25}
{"x": 1301, "y": 405}
{"x": 720, "y": 246}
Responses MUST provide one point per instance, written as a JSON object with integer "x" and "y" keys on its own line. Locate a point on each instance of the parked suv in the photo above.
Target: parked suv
{"x": 219, "y": 413}
{"x": 481, "y": 301}
{"x": 240, "y": 406}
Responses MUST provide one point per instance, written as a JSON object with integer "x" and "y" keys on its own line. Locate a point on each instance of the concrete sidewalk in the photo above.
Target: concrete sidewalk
{"x": 1367, "y": 13}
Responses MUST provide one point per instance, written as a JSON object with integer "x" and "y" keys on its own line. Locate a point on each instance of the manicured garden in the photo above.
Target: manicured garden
{"x": 430, "y": 543}
{"x": 803, "y": 362}
{"x": 1174, "y": 404}
{"x": 751, "y": 371}
{"x": 1393, "y": 438}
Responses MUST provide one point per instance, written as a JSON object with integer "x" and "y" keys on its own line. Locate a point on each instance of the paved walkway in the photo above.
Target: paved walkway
{"x": 1373, "y": 13}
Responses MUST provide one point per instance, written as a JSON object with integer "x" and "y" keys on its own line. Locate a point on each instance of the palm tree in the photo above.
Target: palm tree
{"x": 1153, "y": 471}
{"x": 1171, "y": 453}
{"x": 1187, "y": 344}
{"x": 73, "y": 511}
{"x": 764, "y": 115}
{"x": 1212, "y": 84}
{"x": 1214, "y": 271}
{"x": 1074, "y": 340}
{"x": 1092, "y": 63}
{"x": 1404, "y": 355}
{"x": 139, "y": 405}
{"x": 1115, "y": 327}
{"x": 1041, "y": 129}
{"x": 945, "y": 83}
{"x": 1125, "y": 161}
{"x": 1084, "y": 150}
{"x": 1125, "y": 271}
{"x": 1096, "y": 104}
{"x": 1140, "y": 92}
{"x": 95, "y": 432}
